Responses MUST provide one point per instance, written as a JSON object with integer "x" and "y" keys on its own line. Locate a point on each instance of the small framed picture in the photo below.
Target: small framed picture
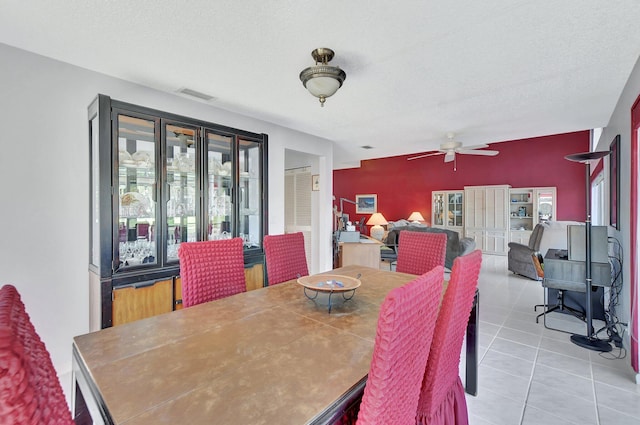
{"x": 366, "y": 204}
{"x": 315, "y": 182}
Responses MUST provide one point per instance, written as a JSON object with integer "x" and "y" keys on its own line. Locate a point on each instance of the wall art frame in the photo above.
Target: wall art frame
{"x": 366, "y": 204}
{"x": 614, "y": 183}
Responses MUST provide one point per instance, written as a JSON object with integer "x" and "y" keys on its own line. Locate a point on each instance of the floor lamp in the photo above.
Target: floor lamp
{"x": 588, "y": 341}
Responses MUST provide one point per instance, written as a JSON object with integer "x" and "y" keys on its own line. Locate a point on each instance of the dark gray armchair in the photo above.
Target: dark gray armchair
{"x": 521, "y": 256}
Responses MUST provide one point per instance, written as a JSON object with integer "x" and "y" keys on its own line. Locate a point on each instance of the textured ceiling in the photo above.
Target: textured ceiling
{"x": 489, "y": 71}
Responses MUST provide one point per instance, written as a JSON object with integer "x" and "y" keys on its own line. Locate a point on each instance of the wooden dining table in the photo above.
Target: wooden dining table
{"x": 266, "y": 356}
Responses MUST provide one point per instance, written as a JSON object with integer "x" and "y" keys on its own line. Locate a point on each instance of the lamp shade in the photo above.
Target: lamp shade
{"x": 416, "y": 216}
{"x": 377, "y": 219}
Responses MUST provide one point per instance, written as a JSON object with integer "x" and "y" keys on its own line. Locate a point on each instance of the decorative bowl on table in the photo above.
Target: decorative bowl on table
{"x": 328, "y": 284}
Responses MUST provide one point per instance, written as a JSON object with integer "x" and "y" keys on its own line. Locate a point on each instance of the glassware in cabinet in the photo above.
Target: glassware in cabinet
{"x": 250, "y": 194}
{"x": 136, "y": 182}
{"x": 220, "y": 178}
{"x": 181, "y": 195}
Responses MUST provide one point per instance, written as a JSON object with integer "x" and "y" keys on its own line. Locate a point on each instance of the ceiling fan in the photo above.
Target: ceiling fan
{"x": 450, "y": 148}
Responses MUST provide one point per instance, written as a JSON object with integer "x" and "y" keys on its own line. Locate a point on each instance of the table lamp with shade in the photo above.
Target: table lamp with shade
{"x": 377, "y": 220}
{"x": 416, "y": 217}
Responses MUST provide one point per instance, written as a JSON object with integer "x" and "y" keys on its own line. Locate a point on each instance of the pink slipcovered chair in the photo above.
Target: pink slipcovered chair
{"x": 442, "y": 400}
{"x": 211, "y": 270}
{"x": 419, "y": 252}
{"x": 405, "y": 329}
{"x": 30, "y": 392}
{"x": 285, "y": 257}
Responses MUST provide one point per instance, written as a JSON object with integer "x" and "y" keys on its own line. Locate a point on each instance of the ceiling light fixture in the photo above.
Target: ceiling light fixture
{"x": 322, "y": 80}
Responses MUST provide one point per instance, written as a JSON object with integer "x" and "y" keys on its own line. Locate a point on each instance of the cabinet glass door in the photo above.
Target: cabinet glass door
{"x": 545, "y": 200}
{"x": 249, "y": 193}
{"x": 182, "y": 187}
{"x": 438, "y": 209}
{"x": 219, "y": 187}
{"x": 455, "y": 209}
{"x": 136, "y": 174}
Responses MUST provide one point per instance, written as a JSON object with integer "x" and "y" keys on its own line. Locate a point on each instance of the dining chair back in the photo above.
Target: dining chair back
{"x": 405, "y": 328}
{"x": 30, "y": 392}
{"x": 419, "y": 252}
{"x": 442, "y": 399}
{"x": 285, "y": 257}
{"x": 211, "y": 270}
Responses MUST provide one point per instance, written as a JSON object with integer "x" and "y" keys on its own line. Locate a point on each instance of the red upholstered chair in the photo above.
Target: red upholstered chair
{"x": 285, "y": 257}
{"x": 442, "y": 399}
{"x": 405, "y": 329}
{"x": 419, "y": 252}
{"x": 211, "y": 270}
{"x": 30, "y": 392}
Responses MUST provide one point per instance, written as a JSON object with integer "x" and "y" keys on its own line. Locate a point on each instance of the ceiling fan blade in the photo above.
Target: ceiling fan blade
{"x": 450, "y": 156}
{"x": 424, "y": 156}
{"x": 478, "y": 152}
{"x": 474, "y": 147}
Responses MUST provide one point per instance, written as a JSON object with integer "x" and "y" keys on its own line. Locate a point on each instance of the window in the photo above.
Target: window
{"x": 598, "y": 201}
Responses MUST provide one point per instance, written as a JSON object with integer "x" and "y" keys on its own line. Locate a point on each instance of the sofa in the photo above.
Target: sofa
{"x": 456, "y": 246}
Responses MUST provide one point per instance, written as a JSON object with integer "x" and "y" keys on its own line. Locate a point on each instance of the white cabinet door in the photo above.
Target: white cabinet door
{"x": 487, "y": 217}
{"x": 520, "y": 236}
{"x": 474, "y": 208}
{"x": 478, "y": 236}
{"x": 496, "y": 242}
{"x": 497, "y": 216}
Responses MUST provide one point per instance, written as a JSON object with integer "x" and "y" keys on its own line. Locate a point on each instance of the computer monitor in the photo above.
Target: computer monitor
{"x": 599, "y": 243}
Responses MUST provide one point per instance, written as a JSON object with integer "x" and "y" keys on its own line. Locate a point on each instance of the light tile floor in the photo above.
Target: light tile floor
{"x": 531, "y": 375}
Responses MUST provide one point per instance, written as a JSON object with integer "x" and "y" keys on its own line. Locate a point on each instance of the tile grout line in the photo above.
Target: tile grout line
{"x": 533, "y": 371}
{"x": 593, "y": 387}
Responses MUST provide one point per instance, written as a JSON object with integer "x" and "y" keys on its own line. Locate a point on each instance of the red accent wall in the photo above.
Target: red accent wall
{"x": 404, "y": 186}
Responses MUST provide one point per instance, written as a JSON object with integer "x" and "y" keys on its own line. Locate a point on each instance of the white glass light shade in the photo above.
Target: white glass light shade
{"x": 322, "y": 80}
{"x": 416, "y": 216}
{"x": 323, "y": 86}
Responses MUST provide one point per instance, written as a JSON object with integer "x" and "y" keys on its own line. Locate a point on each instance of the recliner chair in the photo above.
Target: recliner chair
{"x": 521, "y": 257}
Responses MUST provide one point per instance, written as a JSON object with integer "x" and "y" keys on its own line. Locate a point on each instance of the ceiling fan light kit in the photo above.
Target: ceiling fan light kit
{"x": 322, "y": 80}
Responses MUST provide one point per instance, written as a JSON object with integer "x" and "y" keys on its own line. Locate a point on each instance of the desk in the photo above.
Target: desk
{"x": 568, "y": 275}
{"x": 364, "y": 253}
{"x": 261, "y": 357}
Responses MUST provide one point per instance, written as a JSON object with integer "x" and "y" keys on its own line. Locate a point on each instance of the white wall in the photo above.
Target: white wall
{"x": 44, "y": 169}
{"x": 620, "y": 123}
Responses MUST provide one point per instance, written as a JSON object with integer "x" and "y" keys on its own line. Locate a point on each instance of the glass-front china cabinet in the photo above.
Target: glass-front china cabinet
{"x": 159, "y": 180}
{"x": 447, "y": 210}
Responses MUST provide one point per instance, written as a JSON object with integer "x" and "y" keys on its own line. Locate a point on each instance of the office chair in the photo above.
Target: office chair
{"x": 561, "y": 287}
